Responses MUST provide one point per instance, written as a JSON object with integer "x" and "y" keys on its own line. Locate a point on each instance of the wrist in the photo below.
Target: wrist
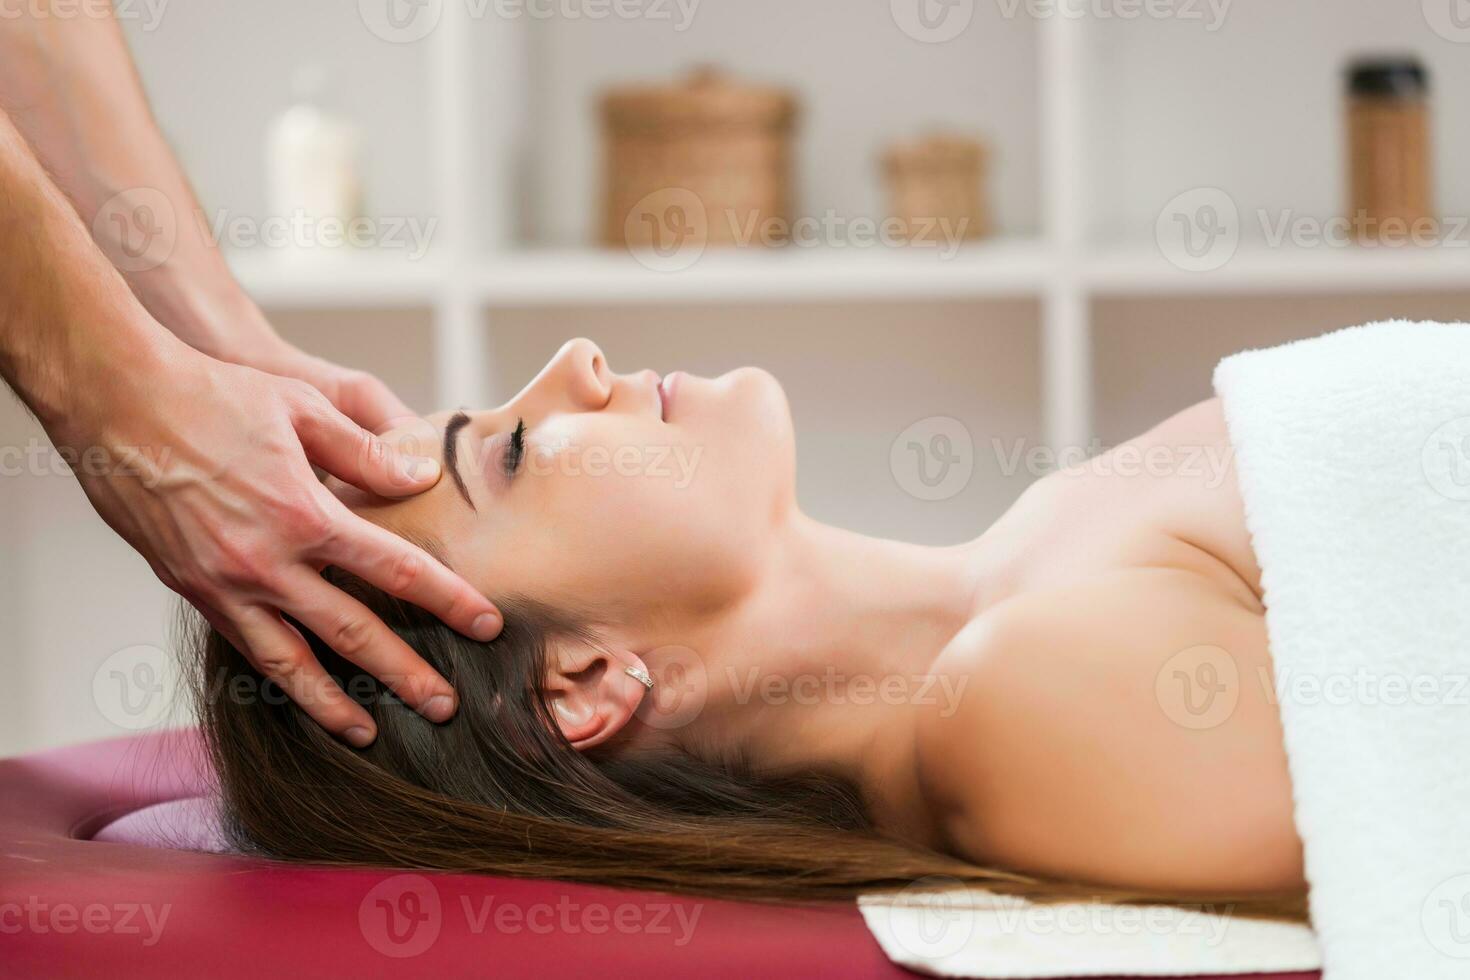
{"x": 110, "y": 377}
{"x": 70, "y": 328}
{"x": 209, "y": 312}
{"x": 70, "y": 340}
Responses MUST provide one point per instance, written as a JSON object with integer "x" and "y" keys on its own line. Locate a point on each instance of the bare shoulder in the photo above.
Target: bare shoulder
{"x": 1190, "y": 490}
{"x": 1200, "y": 423}
{"x": 1093, "y": 739}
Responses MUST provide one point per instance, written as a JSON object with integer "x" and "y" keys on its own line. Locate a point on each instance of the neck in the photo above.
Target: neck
{"x": 825, "y": 664}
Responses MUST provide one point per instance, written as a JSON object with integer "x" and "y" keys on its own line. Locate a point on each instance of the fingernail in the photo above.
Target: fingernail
{"x": 485, "y": 627}
{"x": 359, "y": 737}
{"x": 439, "y": 708}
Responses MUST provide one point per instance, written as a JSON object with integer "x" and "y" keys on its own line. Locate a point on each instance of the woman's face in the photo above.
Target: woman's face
{"x": 629, "y": 497}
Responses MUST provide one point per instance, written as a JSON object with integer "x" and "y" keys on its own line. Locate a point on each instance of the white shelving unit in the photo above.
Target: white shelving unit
{"x": 480, "y": 266}
{"x": 991, "y": 270}
{"x": 600, "y": 277}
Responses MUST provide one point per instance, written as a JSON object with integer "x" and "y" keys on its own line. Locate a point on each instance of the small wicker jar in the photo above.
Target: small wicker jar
{"x": 707, "y": 155}
{"x": 935, "y": 188}
{"x": 1388, "y": 148}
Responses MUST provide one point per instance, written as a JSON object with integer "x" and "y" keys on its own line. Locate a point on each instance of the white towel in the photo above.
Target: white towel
{"x": 1353, "y": 451}
{"x": 969, "y": 933}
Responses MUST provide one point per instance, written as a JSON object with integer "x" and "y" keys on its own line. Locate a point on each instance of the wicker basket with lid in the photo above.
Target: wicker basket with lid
{"x": 706, "y": 144}
{"x": 935, "y": 187}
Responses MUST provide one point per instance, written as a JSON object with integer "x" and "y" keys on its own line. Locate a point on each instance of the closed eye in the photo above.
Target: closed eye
{"x": 515, "y": 450}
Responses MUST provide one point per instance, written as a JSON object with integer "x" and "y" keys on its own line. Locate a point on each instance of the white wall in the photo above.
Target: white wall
{"x": 1155, "y": 356}
{"x": 218, "y": 72}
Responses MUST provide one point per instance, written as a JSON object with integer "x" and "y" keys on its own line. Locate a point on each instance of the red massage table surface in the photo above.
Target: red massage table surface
{"x": 74, "y": 907}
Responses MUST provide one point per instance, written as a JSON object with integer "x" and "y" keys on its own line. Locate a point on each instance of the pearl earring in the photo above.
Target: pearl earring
{"x": 639, "y": 675}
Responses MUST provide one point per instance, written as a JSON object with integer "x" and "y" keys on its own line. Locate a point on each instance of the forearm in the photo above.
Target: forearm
{"x": 71, "y": 332}
{"x": 90, "y": 126}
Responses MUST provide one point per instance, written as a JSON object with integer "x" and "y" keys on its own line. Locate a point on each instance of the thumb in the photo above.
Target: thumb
{"x": 369, "y": 402}
{"x": 354, "y": 455}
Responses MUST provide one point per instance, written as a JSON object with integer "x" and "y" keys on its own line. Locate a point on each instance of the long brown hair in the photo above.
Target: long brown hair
{"x": 498, "y": 790}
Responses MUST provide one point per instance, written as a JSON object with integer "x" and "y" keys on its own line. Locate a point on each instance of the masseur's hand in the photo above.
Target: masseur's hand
{"x": 223, "y": 322}
{"x": 227, "y": 510}
{"x": 360, "y": 396}
{"x": 230, "y": 515}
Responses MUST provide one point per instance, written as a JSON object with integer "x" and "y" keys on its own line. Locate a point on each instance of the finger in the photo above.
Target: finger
{"x": 282, "y": 656}
{"x": 370, "y": 403}
{"x": 220, "y": 622}
{"x": 351, "y": 629}
{"x": 217, "y": 620}
{"x": 383, "y": 559}
{"x": 356, "y": 456}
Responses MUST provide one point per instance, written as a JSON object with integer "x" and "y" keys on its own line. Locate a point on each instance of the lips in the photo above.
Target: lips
{"x": 667, "y": 388}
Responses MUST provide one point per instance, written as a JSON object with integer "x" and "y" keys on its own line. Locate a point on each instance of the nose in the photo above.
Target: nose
{"x": 577, "y": 379}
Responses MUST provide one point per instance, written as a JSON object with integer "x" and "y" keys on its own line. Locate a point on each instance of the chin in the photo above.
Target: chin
{"x": 758, "y": 405}
{"x": 756, "y": 384}
{"x": 758, "y": 399}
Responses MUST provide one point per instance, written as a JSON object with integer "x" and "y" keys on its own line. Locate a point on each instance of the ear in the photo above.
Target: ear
{"x": 592, "y": 696}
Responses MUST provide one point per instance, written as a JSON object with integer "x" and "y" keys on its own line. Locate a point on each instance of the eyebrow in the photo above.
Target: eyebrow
{"x": 451, "y": 453}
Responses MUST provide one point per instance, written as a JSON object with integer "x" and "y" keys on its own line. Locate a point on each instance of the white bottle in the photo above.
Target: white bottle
{"x": 314, "y": 187}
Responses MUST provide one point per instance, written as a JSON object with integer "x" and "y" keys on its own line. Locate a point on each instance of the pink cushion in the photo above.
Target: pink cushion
{"x": 188, "y": 824}
{"x": 72, "y": 906}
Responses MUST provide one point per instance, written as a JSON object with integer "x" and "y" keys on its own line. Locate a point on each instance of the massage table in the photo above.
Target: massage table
{"x": 73, "y": 906}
